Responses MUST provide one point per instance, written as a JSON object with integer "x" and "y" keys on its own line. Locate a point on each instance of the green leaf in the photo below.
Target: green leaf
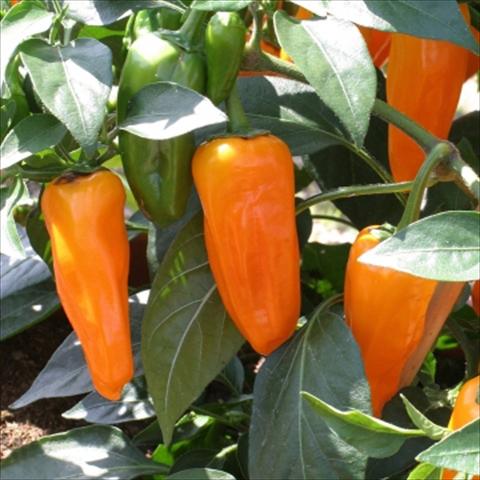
{"x": 220, "y": 5}
{"x": 458, "y": 451}
{"x": 7, "y": 113}
{"x": 98, "y": 452}
{"x": 201, "y": 474}
{"x": 374, "y": 437}
{"x": 165, "y": 110}
{"x": 287, "y": 439}
{"x": 431, "y": 429}
{"x": 334, "y": 58}
{"x": 132, "y": 406}
{"x": 66, "y": 372}
{"x": 187, "y": 337}
{"x": 27, "y": 307}
{"x": 427, "y": 19}
{"x": 11, "y": 195}
{"x": 21, "y": 22}
{"x": 73, "y": 82}
{"x": 292, "y": 111}
{"x": 31, "y": 135}
{"x": 441, "y": 247}
{"x": 105, "y": 12}
{"x": 424, "y": 471}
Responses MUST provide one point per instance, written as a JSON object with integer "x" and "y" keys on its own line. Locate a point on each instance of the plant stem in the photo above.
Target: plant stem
{"x": 391, "y": 115}
{"x": 238, "y": 121}
{"x": 333, "y": 219}
{"x": 464, "y": 176}
{"x": 412, "y": 210}
{"x": 354, "y": 191}
{"x": 192, "y": 28}
{"x": 256, "y": 37}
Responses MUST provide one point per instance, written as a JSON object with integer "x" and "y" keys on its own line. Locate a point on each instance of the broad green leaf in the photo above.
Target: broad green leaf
{"x": 441, "y": 247}
{"x": 424, "y": 471}
{"x": 287, "y": 438}
{"x": 435, "y": 19}
{"x": 31, "y": 135}
{"x": 100, "y": 452}
{"x": 66, "y": 372}
{"x": 201, "y": 474}
{"x": 21, "y": 22}
{"x": 27, "y": 307}
{"x": 374, "y": 437}
{"x": 431, "y": 430}
{"x": 7, "y": 112}
{"x": 105, "y": 12}
{"x": 334, "y": 58}
{"x": 73, "y": 82}
{"x": 458, "y": 451}
{"x": 13, "y": 194}
{"x": 220, "y": 5}
{"x": 187, "y": 337}
{"x": 133, "y": 405}
{"x": 292, "y": 111}
{"x": 165, "y": 110}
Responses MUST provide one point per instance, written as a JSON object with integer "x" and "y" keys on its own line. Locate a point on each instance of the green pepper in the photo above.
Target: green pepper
{"x": 158, "y": 172}
{"x": 152, "y": 20}
{"x": 224, "y": 43}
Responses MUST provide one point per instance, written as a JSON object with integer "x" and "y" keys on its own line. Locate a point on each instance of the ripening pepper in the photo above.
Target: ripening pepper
{"x": 476, "y": 297}
{"x": 466, "y": 409}
{"x": 246, "y": 187}
{"x": 378, "y": 43}
{"x": 389, "y": 313}
{"x": 85, "y": 221}
{"x": 224, "y": 43}
{"x": 158, "y": 172}
{"x": 424, "y": 81}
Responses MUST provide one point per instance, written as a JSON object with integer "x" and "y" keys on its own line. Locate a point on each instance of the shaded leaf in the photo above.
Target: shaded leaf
{"x": 421, "y": 18}
{"x": 134, "y": 404}
{"x": 458, "y": 451}
{"x": 187, "y": 337}
{"x": 73, "y": 82}
{"x": 21, "y": 22}
{"x": 220, "y": 5}
{"x": 201, "y": 474}
{"x": 99, "y": 452}
{"x": 31, "y": 135}
{"x": 334, "y": 58}
{"x": 165, "y": 110}
{"x": 282, "y": 422}
{"x": 368, "y": 434}
{"x": 25, "y": 308}
{"x": 440, "y": 247}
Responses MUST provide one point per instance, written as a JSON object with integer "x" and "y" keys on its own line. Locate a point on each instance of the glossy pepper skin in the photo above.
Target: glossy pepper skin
{"x": 246, "y": 187}
{"x": 378, "y": 44}
{"x": 466, "y": 409}
{"x": 387, "y": 312}
{"x": 424, "y": 80}
{"x": 85, "y": 221}
{"x": 158, "y": 172}
{"x": 224, "y": 43}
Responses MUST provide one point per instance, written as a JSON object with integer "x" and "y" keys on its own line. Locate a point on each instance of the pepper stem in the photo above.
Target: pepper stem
{"x": 238, "y": 121}
{"x": 441, "y": 151}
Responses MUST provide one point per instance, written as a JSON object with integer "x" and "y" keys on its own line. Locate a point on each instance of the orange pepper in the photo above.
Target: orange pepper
{"x": 424, "y": 81}
{"x": 466, "y": 410}
{"x": 246, "y": 187}
{"x": 84, "y": 218}
{"x": 389, "y": 315}
{"x": 378, "y": 43}
{"x": 476, "y": 297}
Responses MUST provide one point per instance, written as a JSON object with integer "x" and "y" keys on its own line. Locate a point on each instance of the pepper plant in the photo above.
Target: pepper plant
{"x": 221, "y": 129}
